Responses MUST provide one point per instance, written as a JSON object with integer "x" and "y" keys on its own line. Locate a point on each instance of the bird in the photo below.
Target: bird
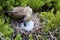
{"x": 24, "y": 13}
{"x": 16, "y": 13}
{"x": 28, "y": 14}
{"x": 31, "y": 22}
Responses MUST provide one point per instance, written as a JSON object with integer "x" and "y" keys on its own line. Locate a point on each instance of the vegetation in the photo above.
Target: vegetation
{"x": 30, "y": 37}
{"x": 5, "y": 27}
{"x": 18, "y": 37}
{"x": 51, "y": 21}
{"x": 7, "y": 38}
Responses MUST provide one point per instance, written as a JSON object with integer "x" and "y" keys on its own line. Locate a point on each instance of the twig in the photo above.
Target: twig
{"x": 53, "y": 38}
{"x": 1, "y": 36}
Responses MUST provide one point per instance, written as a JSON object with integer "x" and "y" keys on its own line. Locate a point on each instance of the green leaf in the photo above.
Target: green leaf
{"x": 7, "y": 38}
{"x": 18, "y": 37}
{"x": 30, "y": 37}
{"x": 1, "y": 8}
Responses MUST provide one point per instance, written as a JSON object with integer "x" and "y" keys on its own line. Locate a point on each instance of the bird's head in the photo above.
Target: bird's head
{"x": 28, "y": 13}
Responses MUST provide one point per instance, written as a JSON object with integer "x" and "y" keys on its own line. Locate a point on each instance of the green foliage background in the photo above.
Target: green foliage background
{"x": 51, "y": 21}
{"x": 5, "y": 27}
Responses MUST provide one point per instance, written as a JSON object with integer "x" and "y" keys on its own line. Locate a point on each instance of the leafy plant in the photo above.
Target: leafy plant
{"x": 24, "y": 2}
{"x": 7, "y": 38}
{"x": 1, "y": 8}
{"x": 5, "y": 27}
{"x": 35, "y": 4}
{"x": 51, "y": 21}
{"x": 56, "y": 4}
{"x": 30, "y": 37}
{"x": 18, "y": 37}
{"x": 7, "y": 31}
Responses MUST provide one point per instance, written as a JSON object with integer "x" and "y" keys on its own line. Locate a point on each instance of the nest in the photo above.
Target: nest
{"x": 18, "y": 30}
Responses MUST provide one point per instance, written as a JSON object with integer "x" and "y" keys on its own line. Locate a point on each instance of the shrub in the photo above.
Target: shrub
{"x": 18, "y": 37}
{"x": 34, "y": 4}
{"x": 5, "y": 27}
{"x": 9, "y": 4}
{"x": 56, "y": 4}
{"x": 7, "y": 38}
{"x": 50, "y": 20}
{"x": 7, "y": 31}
